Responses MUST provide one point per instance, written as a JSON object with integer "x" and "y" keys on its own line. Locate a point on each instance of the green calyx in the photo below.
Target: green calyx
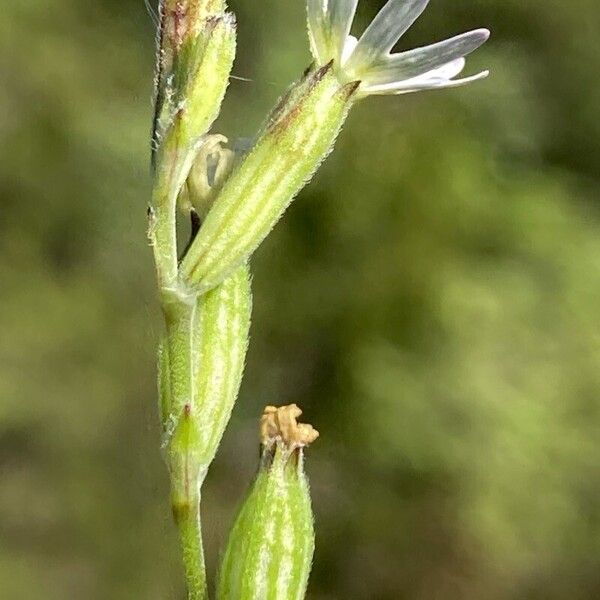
{"x": 200, "y": 371}
{"x": 270, "y": 547}
{"x": 295, "y": 140}
{"x": 221, "y": 339}
{"x": 196, "y": 53}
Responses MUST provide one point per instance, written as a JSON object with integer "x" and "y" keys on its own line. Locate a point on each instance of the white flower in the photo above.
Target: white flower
{"x": 368, "y": 59}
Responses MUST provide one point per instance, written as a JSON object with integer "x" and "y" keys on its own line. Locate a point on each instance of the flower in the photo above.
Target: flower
{"x": 368, "y": 59}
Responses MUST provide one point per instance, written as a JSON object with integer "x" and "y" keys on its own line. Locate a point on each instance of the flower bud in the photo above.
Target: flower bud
{"x": 195, "y": 56}
{"x": 221, "y": 338}
{"x": 195, "y": 414}
{"x": 270, "y": 547}
{"x": 212, "y": 166}
{"x": 295, "y": 140}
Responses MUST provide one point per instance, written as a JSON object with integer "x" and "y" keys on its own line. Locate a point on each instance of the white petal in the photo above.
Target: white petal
{"x": 392, "y": 21}
{"x": 447, "y": 71}
{"x": 318, "y": 29}
{"x": 420, "y": 83}
{"x": 349, "y": 46}
{"x": 341, "y": 15}
{"x": 416, "y": 62}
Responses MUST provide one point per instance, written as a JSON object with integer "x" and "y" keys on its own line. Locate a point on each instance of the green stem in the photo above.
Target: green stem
{"x": 181, "y": 438}
{"x": 168, "y": 180}
{"x": 188, "y": 521}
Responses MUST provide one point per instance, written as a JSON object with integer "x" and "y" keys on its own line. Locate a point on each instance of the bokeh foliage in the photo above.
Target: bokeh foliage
{"x": 431, "y": 301}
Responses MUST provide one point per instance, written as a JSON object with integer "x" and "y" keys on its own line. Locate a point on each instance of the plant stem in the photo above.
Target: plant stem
{"x": 181, "y": 439}
{"x": 163, "y": 226}
{"x": 188, "y": 522}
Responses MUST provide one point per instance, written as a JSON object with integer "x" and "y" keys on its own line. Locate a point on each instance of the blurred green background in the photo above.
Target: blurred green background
{"x": 432, "y": 300}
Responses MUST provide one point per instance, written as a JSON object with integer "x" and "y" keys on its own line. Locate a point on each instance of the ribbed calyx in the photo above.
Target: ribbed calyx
{"x": 201, "y": 362}
{"x": 270, "y": 547}
{"x": 296, "y": 138}
{"x": 196, "y": 48}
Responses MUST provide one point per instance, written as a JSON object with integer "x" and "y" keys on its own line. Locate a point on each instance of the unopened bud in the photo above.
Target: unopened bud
{"x": 212, "y": 165}
{"x": 195, "y": 56}
{"x": 221, "y": 338}
{"x": 194, "y": 418}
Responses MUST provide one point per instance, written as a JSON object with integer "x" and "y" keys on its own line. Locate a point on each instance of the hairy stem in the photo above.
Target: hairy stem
{"x": 181, "y": 438}
{"x": 168, "y": 179}
{"x": 187, "y": 518}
